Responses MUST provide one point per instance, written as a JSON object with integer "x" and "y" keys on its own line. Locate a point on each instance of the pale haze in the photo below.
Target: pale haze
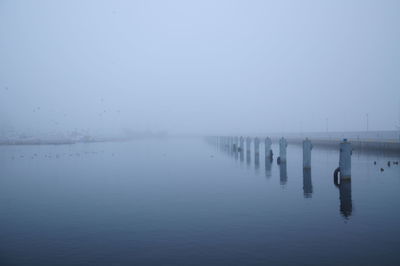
{"x": 199, "y": 67}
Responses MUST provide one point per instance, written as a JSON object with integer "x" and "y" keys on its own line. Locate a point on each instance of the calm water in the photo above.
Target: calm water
{"x": 184, "y": 202}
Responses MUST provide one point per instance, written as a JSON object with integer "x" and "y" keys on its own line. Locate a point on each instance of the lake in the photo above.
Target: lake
{"x": 186, "y": 202}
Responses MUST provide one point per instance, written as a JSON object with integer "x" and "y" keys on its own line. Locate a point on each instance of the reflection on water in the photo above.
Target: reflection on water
{"x": 256, "y": 161}
{"x": 283, "y": 173}
{"x": 174, "y": 200}
{"x": 307, "y": 183}
{"x": 268, "y": 165}
{"x": 346, "y": 204}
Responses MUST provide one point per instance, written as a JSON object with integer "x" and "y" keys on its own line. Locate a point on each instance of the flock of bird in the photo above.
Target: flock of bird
{"x": 389, "y": 163}
{"x": 99, "y": 114}
{"x": 57, "y": 155}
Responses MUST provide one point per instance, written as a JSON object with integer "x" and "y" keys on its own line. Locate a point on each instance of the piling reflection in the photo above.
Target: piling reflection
{"x": 346, "y": 204}
{"x": 268, "y": 165}
{"x": 257, "y": 162}
{"x": 307, "y": 183}
{"x": 283, "y": 173}
{"x": 237, "y": 146}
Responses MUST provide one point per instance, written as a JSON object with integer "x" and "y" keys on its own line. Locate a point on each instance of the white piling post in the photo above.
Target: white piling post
{"x": 248, "y": 143}
{"x": 256, "y": 146}
{"x": 268, "y": 144}
{"x": 307, "y": 147}
{"x": 345, "y": 159}
{"x": 235, "y": 144}
{"x": 241, "y": 144}
{"x": 241, "y": 148}
{"x": 282, "y": 149}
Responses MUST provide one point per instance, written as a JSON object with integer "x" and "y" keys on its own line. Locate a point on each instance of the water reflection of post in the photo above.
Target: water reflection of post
{"x": 235, "y": 144}
{"x": 268, "y": 164}
{"x": 346, "y": 204}
{"x": 307, "y": 183}
{"x": 257, "y": 161}
{"x": 267, "y": 145}
{"x": 236, "y": 147}
{"x": 283, "y": 173}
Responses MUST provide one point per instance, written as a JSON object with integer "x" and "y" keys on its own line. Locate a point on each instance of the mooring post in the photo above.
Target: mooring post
{"x": 248, "y": 155}
{"x": 282, "y": 149}
{"x": 235, "y": 143}
{"x": 248, "y": 143}
{"x": 256, "y": 146}
{"x": 241, "y": 148}
{"x": 241, "y": 144}
{"x": 267, "y": 144}
{"x": 345, "y": 160}
{"x": 307, "y": 147}
{"x": 257, "y": 153}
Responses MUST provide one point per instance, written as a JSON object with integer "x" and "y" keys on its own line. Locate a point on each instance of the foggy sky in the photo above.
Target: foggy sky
{"x": 199, "y": 66}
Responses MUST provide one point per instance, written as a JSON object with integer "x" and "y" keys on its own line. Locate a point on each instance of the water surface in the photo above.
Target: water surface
{"x": 186, "y": 202}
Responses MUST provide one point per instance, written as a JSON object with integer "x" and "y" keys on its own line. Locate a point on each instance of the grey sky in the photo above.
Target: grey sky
{"x": 199, "y": 66}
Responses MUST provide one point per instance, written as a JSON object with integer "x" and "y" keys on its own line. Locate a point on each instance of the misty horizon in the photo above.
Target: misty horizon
{"x": 199, "y": 67}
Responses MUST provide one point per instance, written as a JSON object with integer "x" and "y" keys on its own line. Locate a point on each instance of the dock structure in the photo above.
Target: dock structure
{"x": 381, "y": 145}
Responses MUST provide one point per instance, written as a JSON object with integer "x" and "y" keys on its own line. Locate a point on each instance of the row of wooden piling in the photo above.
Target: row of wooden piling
{"x": 236, "y": 144}
{"x": 342, "y": 175}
